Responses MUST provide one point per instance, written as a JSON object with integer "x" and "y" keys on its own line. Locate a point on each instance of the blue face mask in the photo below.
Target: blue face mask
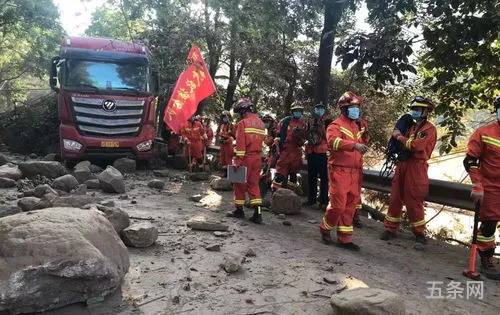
{"x": 297, "y": 114}
{"x": 225, "y": 120}
{"x": 353, "y": 112}
{"x": 319, "y": 111}
{"x": 415, "y": 114}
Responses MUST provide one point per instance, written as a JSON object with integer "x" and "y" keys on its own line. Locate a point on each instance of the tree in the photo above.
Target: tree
{"x": 113, "y": 22}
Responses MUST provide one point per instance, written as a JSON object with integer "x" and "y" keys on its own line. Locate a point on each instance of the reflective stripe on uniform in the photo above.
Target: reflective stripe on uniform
{"x": 491, "y": 141}
{"x": 255, "y": 130}
{"x": 359, "y": 206}
{"x": 240, "y": 153}
{"x": 347, "y": 132}
{"x": 255, "y": 201}
{"x": 485, "y": 239}
{"x": 239, "y": 201}
{"x": 345, "y": 229}
{"x": 419, "y": 223}
{"x": 392, "y": 219}
{"x": 408, "y": 142}
{"x": 336, "y": 143}
{"x": 327, "y": 226}
{"x": 361, "y": 132}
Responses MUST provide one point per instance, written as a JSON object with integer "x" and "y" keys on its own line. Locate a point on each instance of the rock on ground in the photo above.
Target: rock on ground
{"x": 6, "y": 211}
{"x": 93, "y": 184}
{"x": 49, "y": 169}
{"x": 232, "y": 262}
{"x": 196, "y": 198}
{"x": 42, "y": 190}
{"x": 82, "y": 164}
{"x": 95, "y": 169}
{"x": 11, "y": 171}
{"x": 7, "y": 182}
{"x": 142, "y": 234}
{"x": 213, "y": 247}
{"x": 77, "y": 201}
{"x": 65, "y": 183}
{"x": 111, "y": 180}
{"x": 3, "y": 160}
{"x": 156, "y": 184}
{"x": 29, "y": 203}
{"x": 196, "y": 177}
{"x": 125, "y": 165}
{"x": 367, "y": 301}
{"x": 118, "y": 218}
{"x": 221, "y": 184}
{"x": 83, "y": 174}
{"x": 161, "y": 173}
{"x": 58, "y": 256}
{"x": 204, "y": 225}
{"x": 50, "y": 157}
{"x": 285, "y": 201}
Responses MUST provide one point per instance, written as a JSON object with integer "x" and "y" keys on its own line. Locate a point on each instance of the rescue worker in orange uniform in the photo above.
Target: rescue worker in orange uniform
{"x": 482, "y": 162}
{"x": 250, "y": 134}
{"x": 363, "y": 133}
{"x": 316, "y": 148}
{"x": 208, "y": 131}
{"x": 272, "y": 154}
{"x": 291, "y": 138}
{"x": 410, "y": 185}
{"x": 193, "y": 135}
{"x": 344, "y": 163}
{"x": 227, "y": 134}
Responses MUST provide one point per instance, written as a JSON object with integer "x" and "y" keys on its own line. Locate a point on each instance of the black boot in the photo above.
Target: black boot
{"x": 326, "y": 237}
{"x": 420, "y": 242}
{"x": 487, "y": 267}
{"x": 237, "y": 213}
{"x": 388, "y": 235}
{"x": 257, "y": 216}
{"x": 349, "y": 246}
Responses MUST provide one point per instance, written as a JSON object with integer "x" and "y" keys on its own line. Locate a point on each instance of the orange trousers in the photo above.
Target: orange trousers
{"x": 410, "y": 187}
{"x": 343, "y": 191}
{"x": 359, "y": 203}
{"x": 195, "y": 149}
{"x": 489, "y": 215}
{"x": 253, "y": 162}
{"x": 226, "y": 154}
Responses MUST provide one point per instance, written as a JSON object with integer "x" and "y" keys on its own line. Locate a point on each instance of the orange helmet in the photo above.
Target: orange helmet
{"x": 348, "y": 99}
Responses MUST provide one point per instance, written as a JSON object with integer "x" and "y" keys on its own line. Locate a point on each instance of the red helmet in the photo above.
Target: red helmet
{"x": 420, "y": 101}
{"x": 243, "y": 104}
{"x": 348, "y": 99}
{"x": 268, "y": 117}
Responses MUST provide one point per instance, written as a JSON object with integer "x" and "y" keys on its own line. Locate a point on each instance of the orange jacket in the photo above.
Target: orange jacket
{"x": 193, "y": 131}
{"x": 250, "y": 134}
{"x": 484, "y": 144}
{"x": 272, "y": 133}
{"x": 210, "y": 134}
{"x": 420, "y": 140}
{"x": 293, "y": 141}
{"x": 342, "y": 134}
{"x": 364, "y": 131}
{"x": 322, "y": 147}
{"x": 226, "y": 132}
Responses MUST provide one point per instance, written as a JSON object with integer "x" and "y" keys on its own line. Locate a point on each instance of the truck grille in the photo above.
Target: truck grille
{"x": 93, "y": 120}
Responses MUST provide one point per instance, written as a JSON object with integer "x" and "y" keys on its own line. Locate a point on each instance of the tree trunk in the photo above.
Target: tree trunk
{"x": 214, "y": 47}
{"x": 332, "y": 15}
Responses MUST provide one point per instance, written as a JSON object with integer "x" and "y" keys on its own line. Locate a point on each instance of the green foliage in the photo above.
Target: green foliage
{"x": 114, "y": 23}
{"x": 31, "y": 128}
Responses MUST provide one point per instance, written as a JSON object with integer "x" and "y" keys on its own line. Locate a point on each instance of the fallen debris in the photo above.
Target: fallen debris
{"x": 140, "y": 235}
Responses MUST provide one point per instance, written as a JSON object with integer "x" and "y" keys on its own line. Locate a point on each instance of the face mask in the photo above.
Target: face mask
{"x": 297, "y": 115}
{"x": 225, "y": 120}
{"x": 319, "y": 111}
{"x": 415, "y": 114}
{"x": 353, "y": 113}
{"x": 267, "y": 125}
{"x": 498, "y": 113}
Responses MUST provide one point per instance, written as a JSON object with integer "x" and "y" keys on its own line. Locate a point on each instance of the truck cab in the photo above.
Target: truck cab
{"x": 106, "y": 99}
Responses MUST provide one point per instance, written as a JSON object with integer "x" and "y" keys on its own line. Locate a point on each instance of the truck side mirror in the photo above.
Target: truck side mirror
{"x": 53, "y": 74}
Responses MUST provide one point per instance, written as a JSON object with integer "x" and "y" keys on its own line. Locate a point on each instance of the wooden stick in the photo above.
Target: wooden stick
{"x": 150, "y": 301}
{"x": 145, "y": 219}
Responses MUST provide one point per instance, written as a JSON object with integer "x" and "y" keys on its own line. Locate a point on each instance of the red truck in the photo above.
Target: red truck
{"x": 106, "y": 98}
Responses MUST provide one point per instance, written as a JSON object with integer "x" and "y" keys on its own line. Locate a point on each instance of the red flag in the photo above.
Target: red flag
{"x": 193, "y": 85}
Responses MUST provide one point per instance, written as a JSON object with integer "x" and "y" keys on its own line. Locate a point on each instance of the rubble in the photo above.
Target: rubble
{"x": 49, "y": 169}
{"x": 9, "y": 210}
{"x": 29, "y": 203}
{"x": 221, "y": 184}
{"x": 125, "y": 165}
{"x": 11, "y": 171}
{"x": 142, "y": 234}
{"x": 111, "y": 180}
{"x": 285, "y": 201}
{"x": 83, "y": 174}
{"x": 76, "y": 201}
{"x": 206, "y": 225}
{"x": 156, "y": 184}
{"x": 232, "y": 262}
{"x": 93, "y": 184}
{"x": 368, "y": 301}
{"x": 161, "y": 173}
{"x": 7, "y": 182}
{"x": 65, "y": 183}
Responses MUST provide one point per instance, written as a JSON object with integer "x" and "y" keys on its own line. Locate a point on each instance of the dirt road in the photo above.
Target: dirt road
{"x": 292, "y": 273}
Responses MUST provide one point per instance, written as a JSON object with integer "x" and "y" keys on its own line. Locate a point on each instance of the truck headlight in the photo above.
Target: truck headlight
{"x": 71, "y": 145}
{"x": 144, "y": 146}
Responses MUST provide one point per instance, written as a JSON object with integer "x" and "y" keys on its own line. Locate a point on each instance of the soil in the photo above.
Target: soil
{"x": 291, "y": 273}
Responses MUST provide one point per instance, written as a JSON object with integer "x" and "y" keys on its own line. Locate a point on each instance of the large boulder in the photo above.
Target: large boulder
{"x": 367, "y": 301}
{"x": 11, "y": 171}
{"x": 221, "y": 184}
{"x": 3, "y": 160}
{"x": 285, "y": 201}
{"x": 118, "y": 218}
{"x": 83, "y": 174}
{"x": 7, "y": 182}
{"x": 82, "y": 164}
{"x": 76, "y": 201}
{"x": 30, "y": 203}
{"x": 49, "y": 169}
{"x": 125, "y": 165}
{"x": 142, "y": 234}
{"x": 111, "y": 180}
{"x": 56, "y": 257}
{"x": 65, "y": 183}
{"x": 93, "y": 184}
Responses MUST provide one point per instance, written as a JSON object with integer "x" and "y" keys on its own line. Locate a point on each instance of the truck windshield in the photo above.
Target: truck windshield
{"x": 107, "y": 75}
